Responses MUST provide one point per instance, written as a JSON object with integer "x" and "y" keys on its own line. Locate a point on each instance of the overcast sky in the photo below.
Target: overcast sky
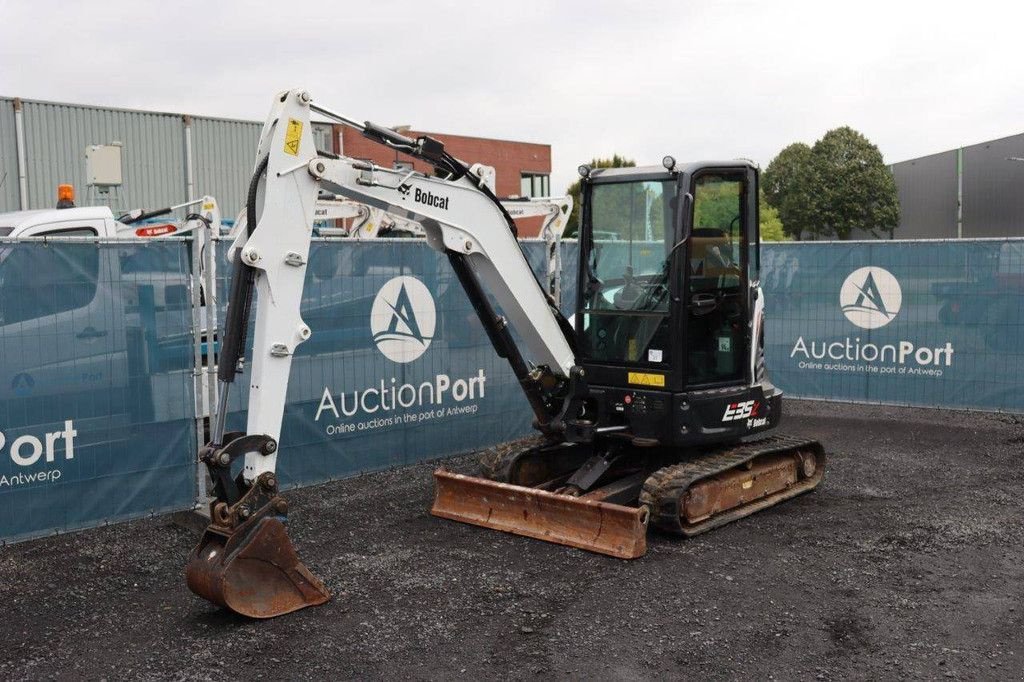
{"x": 714, "y": 79}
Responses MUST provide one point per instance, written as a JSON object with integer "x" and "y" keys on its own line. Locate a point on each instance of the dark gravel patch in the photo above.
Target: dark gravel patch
{"x": 906, "y": 563}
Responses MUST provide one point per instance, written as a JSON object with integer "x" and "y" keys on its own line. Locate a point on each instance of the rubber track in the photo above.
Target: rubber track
{"x": 664, "y": 489}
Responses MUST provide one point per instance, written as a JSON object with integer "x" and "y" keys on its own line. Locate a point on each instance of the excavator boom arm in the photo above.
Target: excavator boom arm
{"x": 459, "y": 217}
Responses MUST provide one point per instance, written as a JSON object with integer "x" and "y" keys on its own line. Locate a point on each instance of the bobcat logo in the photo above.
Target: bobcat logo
{"x": 871, "y": 297}
{"x": 403, "y": 319}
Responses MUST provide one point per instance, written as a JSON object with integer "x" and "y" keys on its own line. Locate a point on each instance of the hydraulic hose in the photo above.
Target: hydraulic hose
{"x": 236, "y": 325}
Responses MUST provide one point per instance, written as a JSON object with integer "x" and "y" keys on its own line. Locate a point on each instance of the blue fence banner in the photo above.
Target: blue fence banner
{"x": 97, "y": 404}
{"x": 398, "y": 368}
{"x": 96, "y": 391}
{"x": 936, "y": 324}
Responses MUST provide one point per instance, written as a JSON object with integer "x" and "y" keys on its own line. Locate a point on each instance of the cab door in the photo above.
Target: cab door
{"x": 718, "y": 260}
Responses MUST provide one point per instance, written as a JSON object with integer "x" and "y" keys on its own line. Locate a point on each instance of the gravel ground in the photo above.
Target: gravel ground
{"x": 906, "y": 563}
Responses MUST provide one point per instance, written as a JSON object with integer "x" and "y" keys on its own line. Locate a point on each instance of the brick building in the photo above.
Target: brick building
{"x": 521, "y": 168}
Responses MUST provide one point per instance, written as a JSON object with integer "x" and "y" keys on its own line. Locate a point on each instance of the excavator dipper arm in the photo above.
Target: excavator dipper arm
{"x": 245, "y": 561}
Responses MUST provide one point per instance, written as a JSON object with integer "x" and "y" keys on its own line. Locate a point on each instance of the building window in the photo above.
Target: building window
{"x": 535, "y": 185}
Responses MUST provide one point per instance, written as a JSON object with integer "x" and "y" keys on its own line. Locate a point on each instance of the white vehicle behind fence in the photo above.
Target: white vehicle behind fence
{"x": 99, "y": 298}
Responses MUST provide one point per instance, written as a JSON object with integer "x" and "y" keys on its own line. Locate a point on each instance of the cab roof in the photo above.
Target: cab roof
{"x": 621, "y": 174}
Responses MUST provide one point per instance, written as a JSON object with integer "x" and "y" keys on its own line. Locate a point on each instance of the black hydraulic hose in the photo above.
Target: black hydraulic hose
{"x": 499, "y": 335}
{"x": 236, "y": 326}
{"x": 128, "y": 218}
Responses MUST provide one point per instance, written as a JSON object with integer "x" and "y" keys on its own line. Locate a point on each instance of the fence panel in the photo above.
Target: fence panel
{"x": 935, "y": 324}
{"x": 353, "y": 405}
{"x": 96, "y": 399}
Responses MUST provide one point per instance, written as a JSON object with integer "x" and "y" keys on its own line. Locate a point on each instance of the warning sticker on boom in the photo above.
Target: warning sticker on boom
{"x": 293, "y": 137}
{"x": 645, "y": 379}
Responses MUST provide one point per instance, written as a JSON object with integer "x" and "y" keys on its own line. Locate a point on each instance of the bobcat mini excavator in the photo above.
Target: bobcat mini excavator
{"x": 651, "y": 403}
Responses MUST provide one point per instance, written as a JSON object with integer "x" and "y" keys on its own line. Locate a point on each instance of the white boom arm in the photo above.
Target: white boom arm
{"x": 554, "y": 210}
{"x": 459, "y": 217}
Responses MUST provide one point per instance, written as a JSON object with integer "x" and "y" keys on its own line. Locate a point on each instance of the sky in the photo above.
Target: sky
{"x": 716, "y": 79}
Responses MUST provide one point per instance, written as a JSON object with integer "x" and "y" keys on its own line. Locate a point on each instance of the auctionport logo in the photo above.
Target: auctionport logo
{"x": 871, "y": 297}
{"x": 403, "y": 319}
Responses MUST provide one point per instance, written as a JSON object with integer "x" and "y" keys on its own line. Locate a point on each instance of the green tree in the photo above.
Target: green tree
{"x": 771, "y": 226}
{"x": 718, "y": 205}
{"x": 572, "y": 225}
{"x": 833, "y": 190}
{"x": 853, "y": 188}
{"x": 788, "y": 185}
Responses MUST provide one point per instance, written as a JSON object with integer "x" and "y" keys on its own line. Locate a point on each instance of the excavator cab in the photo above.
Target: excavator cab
{"x": 668, "y": 290}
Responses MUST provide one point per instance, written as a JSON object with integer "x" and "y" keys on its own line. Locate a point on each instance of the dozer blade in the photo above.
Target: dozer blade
{"x": 254, "y": 571}
{"x": 595, "y": 526}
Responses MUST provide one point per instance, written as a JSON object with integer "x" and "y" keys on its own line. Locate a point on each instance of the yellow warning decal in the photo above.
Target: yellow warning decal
{"x": 207, "y": 207}
{"x": 292, "y": 137}
{"x": 644, "y": 379}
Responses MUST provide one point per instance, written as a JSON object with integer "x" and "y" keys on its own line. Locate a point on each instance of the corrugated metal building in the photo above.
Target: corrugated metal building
{"x": 975, "y": 191}
{"x": 166, "y": 158}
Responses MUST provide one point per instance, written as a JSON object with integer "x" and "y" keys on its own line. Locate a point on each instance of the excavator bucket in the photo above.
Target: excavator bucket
{"x": 601, "y": 527}
{"x": 254, "y": 572}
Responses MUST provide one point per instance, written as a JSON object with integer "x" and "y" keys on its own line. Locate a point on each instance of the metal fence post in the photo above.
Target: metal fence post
{"x": 189, "y": 179}
{"x": 209, "y": 271}
{"x": 19, "y": 134}
{"x": 198, "y": 373}
{"x": 960, "y": 193}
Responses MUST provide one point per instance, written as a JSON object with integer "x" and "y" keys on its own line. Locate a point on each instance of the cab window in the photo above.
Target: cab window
{"x": 625, "y": 300}
{"x": 716, "y": 253}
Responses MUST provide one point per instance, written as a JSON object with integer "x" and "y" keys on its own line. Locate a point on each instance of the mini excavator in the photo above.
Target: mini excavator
{"x": 652, "y": 402}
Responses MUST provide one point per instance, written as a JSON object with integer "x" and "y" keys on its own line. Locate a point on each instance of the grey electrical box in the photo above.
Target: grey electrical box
{"x": 103, "y": 164}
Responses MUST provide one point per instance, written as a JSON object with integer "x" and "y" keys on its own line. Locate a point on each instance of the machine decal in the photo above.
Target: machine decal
{"x": 646, "y": 379}
{"x": 293, "y": 137}
{"x": 428, "y": 198}
{"x": 740, "y": 411}
{"x": 403, "y": 319}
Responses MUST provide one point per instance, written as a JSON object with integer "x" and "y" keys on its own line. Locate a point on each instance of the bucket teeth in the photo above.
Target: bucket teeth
{"x": 611, "y": 529}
